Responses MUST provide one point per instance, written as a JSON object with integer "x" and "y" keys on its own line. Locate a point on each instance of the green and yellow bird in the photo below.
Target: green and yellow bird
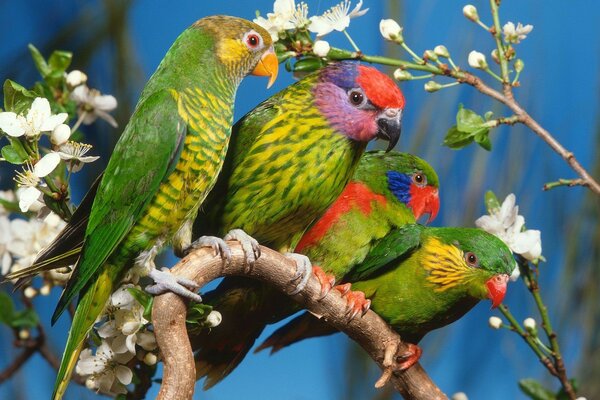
{"x": 163, "y": 166}
{"x": 419, "y": 279}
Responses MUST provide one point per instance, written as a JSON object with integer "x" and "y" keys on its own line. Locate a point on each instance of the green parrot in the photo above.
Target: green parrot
{"x": 387, "y": 191}
{"x": 419, "y": 279}
{"x": 163, "y": 166}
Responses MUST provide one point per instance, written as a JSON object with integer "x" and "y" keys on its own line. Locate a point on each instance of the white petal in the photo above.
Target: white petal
{"x": 10, "y": 124}
{"x": 27, "y": 197}
{"x": 107, "y": 117}
{"x": 320, "y": 26}
{"x": 60, "y": 135}
{"x": 53, "y": 121}
{"x": 526, "y": 241}
{"x": 489, "y": 224}
{"x": 121, "y": 297}
{"x": 130, "y": 343}
{"x": 146, "y": 340}
{"x": 46, "y": 165}
{"x": 515, "y": 274}
{"x": 107, "y": 330}
{"x": 6, "y": 263}
{"x": 284, "y": 7}
{"x": 124, "y": 374}
{"x": 105, "y": 102}
{"x": 119, "y": 344}
{"x": 39, "y": 112}
{"x": 357, "y": 12}
{"x": 80, "y": 94}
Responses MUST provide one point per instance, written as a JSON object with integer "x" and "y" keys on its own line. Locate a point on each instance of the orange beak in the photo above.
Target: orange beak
{"x": 496, "y": 286}
{"x": 267, "y": 66}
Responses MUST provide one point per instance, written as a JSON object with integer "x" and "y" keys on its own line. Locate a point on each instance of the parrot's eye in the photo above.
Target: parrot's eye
{"x": 356, "y": 97}
{"x": 253, "y": 40}
{"x": 471, "y": 259}
{"x": 419, "y": 179}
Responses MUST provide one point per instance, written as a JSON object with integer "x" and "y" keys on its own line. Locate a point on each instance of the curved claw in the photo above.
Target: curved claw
{"x": 167, "y": 282}
{"x": 303, "y": 270}
{"x": 327, "y": 280}
{"x": 218, "y": 245}
{"x": 411, "y": 357}
{"x": 356, "y": 302}
{"x": 249, "y": 245}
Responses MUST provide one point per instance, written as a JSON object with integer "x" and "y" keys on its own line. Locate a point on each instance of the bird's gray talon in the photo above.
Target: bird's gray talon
{"x": 250, "y": 246}
{"x": 218, "y": 245}
{"x": 167, "y": 282}
{"x": 303, "y": 271}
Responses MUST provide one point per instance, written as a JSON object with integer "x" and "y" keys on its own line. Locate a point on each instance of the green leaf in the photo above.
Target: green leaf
{"x": 491, "y": 201}
{"x": 145, "y": 299}
{"x": 308, "y": 64}
{"x": 196, "y": 317}
{"x": 59, "y": 61}
{"x": 17, "y": 98}
{"x": 482, "y": 137}
{"x": 7, "y": 308}
{"x": 468, "y": 120}
{"x": 10, "y": 154}
{"x": 456, "y": 139}
{"x": 534, "y": 390}
{"x": 27, "y": 318}
{"x": 40, "y": 62}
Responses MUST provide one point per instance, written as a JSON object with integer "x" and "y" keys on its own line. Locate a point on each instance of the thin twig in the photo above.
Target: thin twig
{"x": 370, "y": 331}
{"x": 565, "y": 182}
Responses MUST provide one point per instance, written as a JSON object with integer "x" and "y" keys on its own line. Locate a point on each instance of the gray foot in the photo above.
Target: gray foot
{"x": 167, "y": 282}
{"x": 217, "y": 244}
{"x": 249, "y": 245}
{"x": 303, "y": 270}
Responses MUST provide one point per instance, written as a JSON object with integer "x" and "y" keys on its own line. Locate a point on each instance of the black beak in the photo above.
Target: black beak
{"x": 389, "y": 122}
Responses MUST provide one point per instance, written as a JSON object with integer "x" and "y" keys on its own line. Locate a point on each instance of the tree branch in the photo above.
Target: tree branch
{"x": 370, "y": 331}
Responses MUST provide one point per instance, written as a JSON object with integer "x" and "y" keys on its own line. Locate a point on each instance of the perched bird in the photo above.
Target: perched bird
{"x": 161, "y": 170}
{"x": 388, "y": 190}
{"x": 419, "y": 279}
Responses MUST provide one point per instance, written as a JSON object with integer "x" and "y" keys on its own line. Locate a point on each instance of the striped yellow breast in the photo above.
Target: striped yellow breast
{"x": 445, "y": 265}
{"x": 208, "y": 120}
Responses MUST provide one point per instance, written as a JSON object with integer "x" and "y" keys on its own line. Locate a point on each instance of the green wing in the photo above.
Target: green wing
{"x": 398, "y": 243}
{"x": 146, "y": 154}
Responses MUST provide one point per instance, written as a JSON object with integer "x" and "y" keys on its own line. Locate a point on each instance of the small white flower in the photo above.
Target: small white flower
{"x": 337, "y": 18}
{"x": 477, "y": 60}
{"x": 5, "y": 239}
{"x": 514, "y": 34}
{"x": 214, "y": 319}
{"x": 76, "y": 78}
{"x": 515, "y": 274}
{"x": 495, "y": 322}
{"x": 402, "y": 75}
{"x": 390, "y": 30}
{"x": 321, "y": 48}
{"x": 74, "y": 155}
{"x": 529, "y": 324}
{"x": 441, "y": 51}
{"x": 60, "y": 135}
{"x": 282, "y": 17}
{"x": 470, "y": 12}
{"x": 459, "y": 396}
{"x": 105, "y": 369}
{"x": 92, "y": 105}
{"x": 39, "y": 119}
{"x": 507, "y": 224}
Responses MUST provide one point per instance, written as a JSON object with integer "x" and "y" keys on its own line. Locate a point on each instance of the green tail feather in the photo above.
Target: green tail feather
{"x": 92, "y": 303}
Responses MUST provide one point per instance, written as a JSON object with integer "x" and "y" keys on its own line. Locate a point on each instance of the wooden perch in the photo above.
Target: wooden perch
{"x": 371, "y": 332}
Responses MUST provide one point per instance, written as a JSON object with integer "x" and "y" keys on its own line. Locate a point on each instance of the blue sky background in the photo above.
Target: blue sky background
{"x": 559, "y": 89}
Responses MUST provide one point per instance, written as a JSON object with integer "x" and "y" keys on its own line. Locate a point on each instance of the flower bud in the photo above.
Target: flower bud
{"x": 477, "y": 60}
{"x": 495, "y": 322}
{"x": 150, "y": 359}
{"x": 30, "y": 292}
{"x": 430, "y": 55}
{"x": 432, "y": 86}
{"x": 24, "y": 334}
{"x": 441, "y": 51}
{"x": 321, "y": 48}
{"x": 76, "y": 78}
{"x": 495, "y": 56}
{"x": 519, "y": 65}
{"x": 529, "y": 325}
{"x": 45, "y": 290}
{"x": 214, "y": 319}
{"x": 470, "y": 12}
{"x": 459, "y": 396}
{"x": 390, "y": 30}
{"x": 60, "y": 135}
{"x": 402, "y": 75}
{"x": 90, "y": 383}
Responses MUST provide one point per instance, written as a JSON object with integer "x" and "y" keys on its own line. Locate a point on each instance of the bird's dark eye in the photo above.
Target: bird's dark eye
{"x": 471, "y": 259}
{"x": 419, "y": 179}
{"x": 356, "y": 97}
{"x": 252, "y": 40}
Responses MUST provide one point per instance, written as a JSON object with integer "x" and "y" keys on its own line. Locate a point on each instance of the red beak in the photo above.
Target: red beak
{"x": 423, "y": 201}
{"x": 496, "y": 286}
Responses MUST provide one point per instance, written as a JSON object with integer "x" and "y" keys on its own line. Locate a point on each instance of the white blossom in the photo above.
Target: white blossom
{"x": 529, "y": 324}
{"x": 60, "y": 135}
{"x": 105, "y": 369}
{"x": 470, "y": 11}
{"x": 39, "y": 119}
{"x": 337, "y": 18}
{"x": 507, "y": 224}
{"x": 76, "y": 78}
{"x": 477, "y": 60}
{"x": 321, "y": 48}
{"x": 459, "y": 396}
{"x": 286, "y": 15}
{"x": 495, "y": 322}
{"x": 74, "y": 154}
{"x": 92, "y": 105}
{"x": 390, "y": 30}
{"x": 5, "y": 240}
{"x": 514, "y": 34}
{"x": 214, "y": 319}
{"x": 29, "y": 179}
{"x": 515, "y": 274}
